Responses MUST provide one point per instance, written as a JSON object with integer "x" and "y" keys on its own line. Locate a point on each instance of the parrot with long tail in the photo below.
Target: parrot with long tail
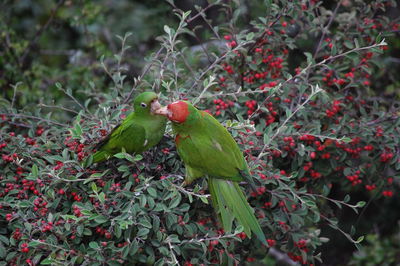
{"x": 207, "y": 149}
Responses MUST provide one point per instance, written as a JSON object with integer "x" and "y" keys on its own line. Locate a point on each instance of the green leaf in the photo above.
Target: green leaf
{"x": 152, "y": 192}
{"x": 143, "y": 232}
{"x": 204, "y": 199}
{"x": 102, "y": 197}
{"x": 145, "y": 223}
{"x": 4, "y": 239}
{"x": 175, "y": 201}
{"x": 125, "y": 251}
{"x": 47, "y": 261}
{"x": 94, "y": 187}
{"x": 35, "y": 171}
{"x": 138, "y": 157}
{"x": 117, "y": 231}
{"x": 134, "y": 248}
{"x": 360, "y": 204}
{"x": 309, "y": 57}
{"x": 167, "y": 29}
{"x": 97, "y": 175}
{"x": 121, "y": 155}
{"x": 94, "y": 245}
{"x": 346, "y": 198}
{"x": 2, "y": 250}
{"x": 359, "y": 240}
{"x": 101, "y": 219}
{"x": 250, "y": 36}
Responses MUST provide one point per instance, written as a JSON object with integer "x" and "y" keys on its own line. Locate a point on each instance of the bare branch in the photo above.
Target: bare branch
{"x": 34, "y": 118}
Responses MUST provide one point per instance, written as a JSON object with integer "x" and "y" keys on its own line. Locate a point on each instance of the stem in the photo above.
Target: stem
{"x": 190, "y": 192}
{"x": 34, "y": 118}
{"x": 194, "y": 240}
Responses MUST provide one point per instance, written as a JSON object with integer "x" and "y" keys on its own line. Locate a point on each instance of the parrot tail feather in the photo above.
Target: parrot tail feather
{"x": 230, "y": 202}
{"x": 100, "y": 156}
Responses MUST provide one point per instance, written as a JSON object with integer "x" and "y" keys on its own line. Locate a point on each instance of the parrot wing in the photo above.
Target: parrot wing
{"x": 106, "y": 139}
{"x": 129, "y": 135}
{"x": 211, "y": 150}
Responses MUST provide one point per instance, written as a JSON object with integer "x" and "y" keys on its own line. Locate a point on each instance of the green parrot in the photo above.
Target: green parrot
{"x": 139, "y": 131}
{"x": 207, "y": 148}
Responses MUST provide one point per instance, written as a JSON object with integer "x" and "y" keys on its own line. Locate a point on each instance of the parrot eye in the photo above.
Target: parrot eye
{"x": 143, "y": 105}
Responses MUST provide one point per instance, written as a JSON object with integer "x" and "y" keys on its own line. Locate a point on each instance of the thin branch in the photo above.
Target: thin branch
{"x": 14, "y": 93}
{"x": 140, "y": 78}
{"x": 325, "y": 29}
{"x": 381, "y": 120}
{"x": 63, "y": 109}
{"x": 59, "y": 86}
{"x": 331, "y": 200}
{"x": 281, "y": 257}
{"x": 34, "y": 118}
{"x": 16, "y": 124}
{"x": 201, "y": 12}
{"x": 189, "y": 192}
{"x": 197, "y": 240}
{"x": 217, "y": 61}
{"x": 210, "y": 84}
{"x": 174, "y": 260}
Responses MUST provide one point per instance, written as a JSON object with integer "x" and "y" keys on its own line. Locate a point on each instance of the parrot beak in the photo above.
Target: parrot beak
{"x": 155, "y": 106}
{"x": 163, "y": 111}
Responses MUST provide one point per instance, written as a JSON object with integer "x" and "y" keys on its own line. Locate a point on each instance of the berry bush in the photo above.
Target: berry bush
{"x": 308, "y": 89}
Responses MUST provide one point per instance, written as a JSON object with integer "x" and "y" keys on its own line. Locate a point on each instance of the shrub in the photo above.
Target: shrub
{"x": 311, "y": 132}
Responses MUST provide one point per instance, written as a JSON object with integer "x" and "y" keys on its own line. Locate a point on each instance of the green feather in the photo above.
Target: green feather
{"x": 232, "y": 202}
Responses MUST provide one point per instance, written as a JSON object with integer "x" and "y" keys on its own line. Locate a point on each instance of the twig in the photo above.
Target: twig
{"x": 201, "y": 12}
{"x": 324, "y": 29}
{"x": 14, "y": 93}
{"x": 329, "y": 199}
{"x": 174, "y": 260}
{"x": 197, "y": 240}
{"x": 59, "y": 86}
{"x": 210, "y": 84}
{"x": 281, "y": 257}
{"x": 64, "y": 109}
{"x": 190, "y": 192}
{"x": 217, "y": 61}
{"x": 35, "y": 118}
{"x": 381, "y": 120}
{"x": 140, "y": 78}
{"x": 16, "y": 124}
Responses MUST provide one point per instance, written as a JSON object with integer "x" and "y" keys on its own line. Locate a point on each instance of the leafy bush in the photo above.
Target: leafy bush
{"x": 310, "y": 129}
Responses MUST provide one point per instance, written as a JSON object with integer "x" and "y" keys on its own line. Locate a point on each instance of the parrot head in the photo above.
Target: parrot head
{"x": 178, "y": 112}
{"x": 146, "y": 103}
